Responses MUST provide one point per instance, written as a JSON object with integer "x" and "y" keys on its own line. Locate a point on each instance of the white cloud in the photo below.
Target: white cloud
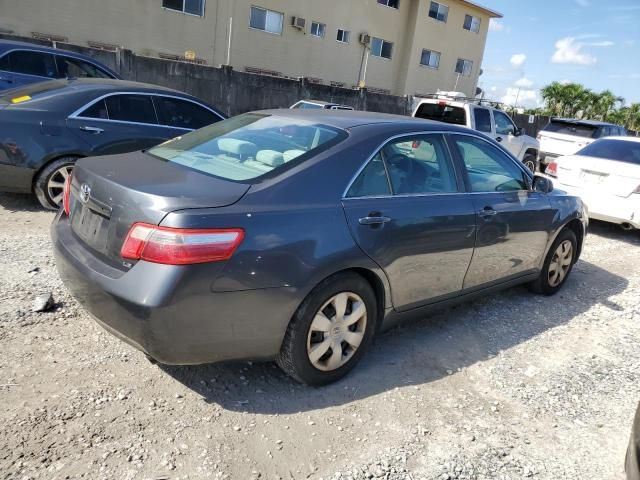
{"x": 566, "y": 81}
{"x": 494, "y": 88}
{"x": 518, "y": 59}
{"x": 523, "y": 97}
{"x": 570, "y": 51}
{"x": 524, "y": 83}
{"x": 583, "y": 3}
{"x": 496, "y": 25}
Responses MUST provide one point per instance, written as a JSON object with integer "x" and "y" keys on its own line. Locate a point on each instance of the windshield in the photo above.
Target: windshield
{"x": 619, "y": 150}
{"x": 442, "y": 113}
{"x": 571, "y": 128}
{"x": 248, "y": 146}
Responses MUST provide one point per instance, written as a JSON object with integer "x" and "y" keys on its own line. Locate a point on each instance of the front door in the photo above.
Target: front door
{"x": 407, "y": 211}
{"x": 505, "y": 133}
{"x": 513, "y": 221}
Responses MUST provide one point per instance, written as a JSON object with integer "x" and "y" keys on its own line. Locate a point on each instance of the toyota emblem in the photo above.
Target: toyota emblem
{"x": 85, "y": 193}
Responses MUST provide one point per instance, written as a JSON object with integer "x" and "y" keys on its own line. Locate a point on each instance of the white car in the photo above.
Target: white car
{"x": 565, "y": 136}
{"x": 319, "y": 104}
{"x": 606, "y": 175}
{"x": 480, "y": 115}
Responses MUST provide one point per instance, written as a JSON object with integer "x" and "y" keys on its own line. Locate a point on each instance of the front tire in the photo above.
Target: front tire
{"x": 558, "y": 264}
{"x": 531, "y": 162}
{"x": 330, "y": 331}
{"x": 49, "y": 184}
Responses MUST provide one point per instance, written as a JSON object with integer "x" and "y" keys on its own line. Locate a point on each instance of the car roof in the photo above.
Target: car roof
{"x": 346, "y": 119}
{"x": 105, "y": 85}
{"x": 594, "y": 123}
{"x": 6, "y": 45}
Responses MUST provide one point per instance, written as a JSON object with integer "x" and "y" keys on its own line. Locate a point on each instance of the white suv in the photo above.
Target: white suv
{"x": 482, "y": 116}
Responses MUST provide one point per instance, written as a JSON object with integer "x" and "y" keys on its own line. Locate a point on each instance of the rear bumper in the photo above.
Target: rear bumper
{"x": 15, "y": 179}
{"x": 607, "y": 207}
{"x": 170, "y": 312}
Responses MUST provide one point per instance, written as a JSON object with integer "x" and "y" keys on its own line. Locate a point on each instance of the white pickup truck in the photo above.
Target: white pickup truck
{"x": 453, "y": 108}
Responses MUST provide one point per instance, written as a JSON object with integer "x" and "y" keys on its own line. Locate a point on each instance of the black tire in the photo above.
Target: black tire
{"x": 49, "y": 173}
{"x": 531, "y": 162}
{"x": 293, "y": 358}
{"x": 542, "y": 284}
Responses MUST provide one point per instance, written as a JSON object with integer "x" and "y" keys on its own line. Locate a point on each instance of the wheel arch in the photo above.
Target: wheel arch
{"x": 577, "y": 228}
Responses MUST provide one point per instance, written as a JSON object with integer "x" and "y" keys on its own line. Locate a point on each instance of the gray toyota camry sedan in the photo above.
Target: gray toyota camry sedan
{"x": 298, "y": 235}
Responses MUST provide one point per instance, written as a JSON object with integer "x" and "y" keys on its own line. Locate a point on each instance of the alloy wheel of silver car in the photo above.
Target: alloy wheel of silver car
{"x": 531, "y": 165}
{"x": 560, "y": 263}
{"x": 55, "y": 184}
{"x": 336, "y": 332}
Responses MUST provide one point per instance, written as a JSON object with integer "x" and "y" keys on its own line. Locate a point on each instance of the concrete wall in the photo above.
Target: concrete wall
{"x": 144, "y": 27}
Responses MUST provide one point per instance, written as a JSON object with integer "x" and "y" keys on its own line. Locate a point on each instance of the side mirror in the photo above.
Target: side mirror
{"x": 518, "y": 132}
{"x": 542, "y": 184}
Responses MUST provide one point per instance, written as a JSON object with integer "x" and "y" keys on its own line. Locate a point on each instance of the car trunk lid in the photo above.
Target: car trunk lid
{"x": 606, "y": 176}
{"x": 110, "y": 194}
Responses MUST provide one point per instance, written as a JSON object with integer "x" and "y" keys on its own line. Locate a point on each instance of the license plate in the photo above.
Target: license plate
{"x": 90, "y": 227}
{"x": 592, "y": 177}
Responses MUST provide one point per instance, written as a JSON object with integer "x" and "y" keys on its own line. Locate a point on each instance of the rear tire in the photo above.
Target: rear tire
{"x": 531, "y": 162}
{"x": 330, "y": 331}
{"x": 49, "y": 183}
{"x": 558, "y": 264}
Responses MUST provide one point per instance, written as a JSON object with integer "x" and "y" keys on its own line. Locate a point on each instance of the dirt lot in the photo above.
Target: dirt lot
{"x": 511, "y": 386}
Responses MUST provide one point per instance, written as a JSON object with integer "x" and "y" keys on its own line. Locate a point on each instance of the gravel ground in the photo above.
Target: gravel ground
{"x": 511, "y": 386}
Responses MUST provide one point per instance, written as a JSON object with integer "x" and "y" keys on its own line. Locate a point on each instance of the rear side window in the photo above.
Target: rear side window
{"x": 73, "y": 68}
{"x": 442, "y": 113}
{"x": 571, "y": 128}
{"x": 33, "y": 63}
{"x": 183, "y": 114}
{"x": 372, "y": 181}
{"x": 619, "y": 150}
{"x": 482, "y": 117}
{"x": 131, "y": 108}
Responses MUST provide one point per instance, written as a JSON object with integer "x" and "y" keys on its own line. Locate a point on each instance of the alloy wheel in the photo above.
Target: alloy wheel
{"x": 55, "y": 184}
{"x": 336, "y": 332}
{"x": 531, "y": 165}
{"x": 560, "y": 263}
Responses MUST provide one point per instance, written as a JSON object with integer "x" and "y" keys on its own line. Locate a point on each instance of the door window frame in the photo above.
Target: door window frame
{"x": 495, "y": 122}
{"x": 459, "y": 180}
{"x": 78, "y": 113}
{"x": 55, "y": 59}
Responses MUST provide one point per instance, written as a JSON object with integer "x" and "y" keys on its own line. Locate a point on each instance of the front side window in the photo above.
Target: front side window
{"x": 249, "y": 146}
{"x": 471, "y": 23}
{"x": 489, "y": 169}
{"x": 318, "y": 29}
{"x": 381, "y": 48}
{"x": 438, "y": 11}
{"x": 183, "y": 114}
{"x": 390, "y": 3}
{"x": 266, "y": 20}
{"x": 131, "y": 108}
{"x": 193, "y": 7}
{"x": 33, "y": 63}
{"x": 464, "y": 67}
{"x": 482, "y": 117}
{"x": 430, "y": 58}
{"x": 504, "y": 125}
{"x": 74, "y": 68}
{"x": 618, "y": 150}
{"x": 343, "y": 36}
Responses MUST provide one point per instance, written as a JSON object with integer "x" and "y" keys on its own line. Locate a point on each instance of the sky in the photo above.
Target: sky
{"x": 592, "y": 42}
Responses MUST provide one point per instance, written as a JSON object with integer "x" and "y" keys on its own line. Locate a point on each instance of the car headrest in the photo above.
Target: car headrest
{"x": 237, "y": 147}
{"x": 291, "y": 154}
{"x": 270, "y": 157}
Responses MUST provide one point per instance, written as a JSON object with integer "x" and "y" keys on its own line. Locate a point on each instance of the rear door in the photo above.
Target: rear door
{"x": 119, "y": 123}
{"x": 407, "y": 211}
{"x": 513, "y": 221}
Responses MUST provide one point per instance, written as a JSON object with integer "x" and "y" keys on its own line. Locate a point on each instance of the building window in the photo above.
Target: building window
{"x": 390, "y": 3}
{"x": 343, "y": 36}
{"x": 439, "y": 12}
{"x": 192, "y": 7}
{"x": 318, "y": 29}
{"x": 381, "y": 48}
{"x": 430, "y": 59}
{"x": 266, "y": 20}
{"x": 471, "y": 23}
{"x": 464, "y": 67}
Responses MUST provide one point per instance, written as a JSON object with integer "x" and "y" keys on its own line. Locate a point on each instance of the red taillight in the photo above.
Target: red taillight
{"x": 66, "y": 195}
{"x": 179, "y": 246}
{"x": 552, "y": 169}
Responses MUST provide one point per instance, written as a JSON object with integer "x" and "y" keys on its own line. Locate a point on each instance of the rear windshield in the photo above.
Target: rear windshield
{"x": 619, "y": 150}
{"x": 442, "y": 113}
{"x": 249, "y": 146}
{"x": 571, "y": 128}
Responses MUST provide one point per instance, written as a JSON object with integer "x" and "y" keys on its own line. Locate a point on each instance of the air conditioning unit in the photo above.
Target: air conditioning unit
{"x": 365, "y": 39}
{"x": 298, "y": 22}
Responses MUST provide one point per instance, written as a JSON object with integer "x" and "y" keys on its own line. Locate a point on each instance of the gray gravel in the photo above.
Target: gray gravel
{"x": 508, "y": 387}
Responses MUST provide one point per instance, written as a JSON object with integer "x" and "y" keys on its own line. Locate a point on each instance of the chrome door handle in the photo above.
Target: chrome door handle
{"x": 374, "y": 220}
{"x": 498, "y": 139}
{"x": 487, "y": 212}
{"x": 94, "y": 130}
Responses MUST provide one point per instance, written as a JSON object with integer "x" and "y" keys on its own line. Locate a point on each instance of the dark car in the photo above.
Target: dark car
{"x": 296, "y": 235}
{"x": 45, "y": 127}
{"x": 23, "y": 63}
{"x": 632, "y": 461}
